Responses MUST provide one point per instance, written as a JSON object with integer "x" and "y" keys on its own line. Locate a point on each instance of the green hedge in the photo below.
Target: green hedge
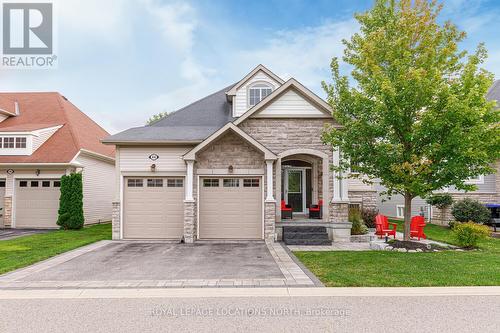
{"x": 71, "y": 202}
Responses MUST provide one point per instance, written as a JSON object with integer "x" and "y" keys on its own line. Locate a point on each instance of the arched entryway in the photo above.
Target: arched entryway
{"x": 301, "y": 181}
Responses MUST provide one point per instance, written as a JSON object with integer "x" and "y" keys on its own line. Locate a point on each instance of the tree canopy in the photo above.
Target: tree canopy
{"x": 417, "y": 117}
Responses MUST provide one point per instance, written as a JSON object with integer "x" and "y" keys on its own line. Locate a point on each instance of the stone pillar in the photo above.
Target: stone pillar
{"x": 115, "y": 221}
{"x": 269, "y": 220}
{"x": 7, "y": 211}
{"x": 341, "y": 227}
{"x": 189, "y": 221}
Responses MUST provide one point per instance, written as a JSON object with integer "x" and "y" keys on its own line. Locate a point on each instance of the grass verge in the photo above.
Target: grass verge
{"x": 27, "y": 250}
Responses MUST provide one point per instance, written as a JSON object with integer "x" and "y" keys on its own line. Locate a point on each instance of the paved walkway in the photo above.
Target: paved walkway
{"x": 292, "y": 275}
{"x": 354, "y": 246}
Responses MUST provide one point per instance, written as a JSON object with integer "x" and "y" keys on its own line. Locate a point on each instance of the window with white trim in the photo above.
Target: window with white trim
{"x": 231, "y": 182}
{"x": 175, "y": 182}
{"x": 134, "y": 182}
{"x": 258, "y": 92}
{"x": 10, "y": 142}
{"x": 210, "y": 183}
{"x": 252, "y": 182}
{"x": 155, "y": 182}
{"x": 400, "y": 211}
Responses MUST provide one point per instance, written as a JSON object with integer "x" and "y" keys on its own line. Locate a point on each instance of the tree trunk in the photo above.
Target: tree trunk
{"x": 408, "y": 198}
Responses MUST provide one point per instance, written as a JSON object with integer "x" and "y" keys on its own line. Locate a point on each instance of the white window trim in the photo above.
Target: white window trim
{"x": 475, "y": 181}
{"x": 252, "y": 86}
{"x": 397, "y": 211}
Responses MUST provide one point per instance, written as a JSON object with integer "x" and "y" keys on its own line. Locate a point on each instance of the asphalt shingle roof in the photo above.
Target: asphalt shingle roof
{"x": 194, "y": 122}
{"x": 494, "y": 92}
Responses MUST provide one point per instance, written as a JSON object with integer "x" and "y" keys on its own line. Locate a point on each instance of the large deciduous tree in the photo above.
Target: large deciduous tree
{"x": 417, "y": 118}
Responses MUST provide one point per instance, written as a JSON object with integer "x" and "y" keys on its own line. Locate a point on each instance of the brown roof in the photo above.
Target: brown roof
{"x": 7, "y": 106}
{"x": 49, "y": 109}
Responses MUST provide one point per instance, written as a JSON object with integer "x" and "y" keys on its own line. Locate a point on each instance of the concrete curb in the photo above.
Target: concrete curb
{"x": 248, "y": 292}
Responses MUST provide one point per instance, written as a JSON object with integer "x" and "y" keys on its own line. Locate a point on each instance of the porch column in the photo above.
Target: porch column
{"x": 189, "y": 181}
{"x": 269, "y": 180}
{"x": 337, "y": 191}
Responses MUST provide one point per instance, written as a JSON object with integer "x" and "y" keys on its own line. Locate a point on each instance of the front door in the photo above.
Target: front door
{"x": 295, "y": 189}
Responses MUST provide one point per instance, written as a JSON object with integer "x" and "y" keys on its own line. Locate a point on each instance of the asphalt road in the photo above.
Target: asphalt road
{"x": 254, "y": 314}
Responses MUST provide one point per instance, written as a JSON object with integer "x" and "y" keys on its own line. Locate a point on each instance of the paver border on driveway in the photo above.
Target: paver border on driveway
{"x": 293, "y": 275}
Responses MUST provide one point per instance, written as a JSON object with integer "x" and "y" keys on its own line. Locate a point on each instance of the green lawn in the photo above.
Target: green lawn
{"x": 384, "y": 269}
{"x": 24, "y": 251}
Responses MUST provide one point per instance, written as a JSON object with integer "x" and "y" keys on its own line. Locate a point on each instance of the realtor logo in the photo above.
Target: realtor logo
{"x": 28, "y": 35}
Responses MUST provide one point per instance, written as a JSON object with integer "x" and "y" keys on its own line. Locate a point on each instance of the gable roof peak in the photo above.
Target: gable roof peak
{"x": 247, "y": 77}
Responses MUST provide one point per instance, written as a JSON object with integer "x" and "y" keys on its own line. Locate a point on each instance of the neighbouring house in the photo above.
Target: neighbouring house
{"x": 42, "y": 137}
{"x": 220, "y": 167}
{"x": 488, "y": 188}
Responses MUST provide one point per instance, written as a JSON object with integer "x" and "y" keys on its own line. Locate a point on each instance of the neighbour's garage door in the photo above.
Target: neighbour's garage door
{"x": 2, "y": 194}
{"x": 230, "y": 208}
{"x": 153, "y": 208}
{"x": 37, "y": 202}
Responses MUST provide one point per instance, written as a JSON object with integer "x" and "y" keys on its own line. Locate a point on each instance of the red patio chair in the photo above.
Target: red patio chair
{"x": 316, "y": 211}
{"x": 382, "y": 226}
{"x": 286, "y": 210}
{"x": 417, "y": 226}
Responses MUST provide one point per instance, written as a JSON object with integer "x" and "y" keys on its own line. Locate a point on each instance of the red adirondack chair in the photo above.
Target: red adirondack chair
{"x": 417, "y": 227}
{"x": 382, "y": 226}
{"x": 286, "y": 210}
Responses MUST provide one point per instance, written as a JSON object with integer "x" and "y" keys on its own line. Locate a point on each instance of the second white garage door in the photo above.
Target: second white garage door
{"x": 37, "y": 203}
{"x": 230, "y": 208}
{"x": 154, "y": 208}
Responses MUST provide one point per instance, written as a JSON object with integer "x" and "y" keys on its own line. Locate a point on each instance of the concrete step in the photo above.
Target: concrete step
{"x": 305, "y": 235}
{"x": 308, "y": 242}
{"x": 302, "y": 229}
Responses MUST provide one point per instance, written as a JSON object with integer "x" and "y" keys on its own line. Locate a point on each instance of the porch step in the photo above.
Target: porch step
{"x": 305, "y": 235}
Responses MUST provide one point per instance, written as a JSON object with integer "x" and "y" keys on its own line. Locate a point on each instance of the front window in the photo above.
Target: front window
{"x": 258, "y": 92}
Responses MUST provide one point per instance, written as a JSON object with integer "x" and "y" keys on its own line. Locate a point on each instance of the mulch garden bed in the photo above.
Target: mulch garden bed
{"x": 410, "y": 245}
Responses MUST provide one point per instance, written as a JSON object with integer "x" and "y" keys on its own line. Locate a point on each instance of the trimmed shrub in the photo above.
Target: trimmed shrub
{"x": 468, "y": 234}
{"x": 368, "y": 215}
{"x": 358, "y": 227}
{"x": 470, "y": 210}
{"x": 440, "y": 201}
{"x": 71, "y": 202}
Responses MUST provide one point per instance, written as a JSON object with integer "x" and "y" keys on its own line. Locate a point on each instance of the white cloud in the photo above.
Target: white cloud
{"x": 301, "y": 53}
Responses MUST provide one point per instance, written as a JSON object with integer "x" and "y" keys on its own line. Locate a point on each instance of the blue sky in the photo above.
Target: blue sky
{"x": 121, "y": 61}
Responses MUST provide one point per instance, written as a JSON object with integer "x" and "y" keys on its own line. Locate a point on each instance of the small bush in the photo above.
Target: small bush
{"x": 368, "y": 215}
{"x": 468, "y": 234}
{"x": 470, "y": 210}
{"x": 358, "y": 227}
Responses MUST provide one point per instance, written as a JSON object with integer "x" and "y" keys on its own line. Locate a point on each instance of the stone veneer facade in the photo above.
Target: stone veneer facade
{"x": 115, "y": 220}
{"x": 481, "y": 197}
{"x": 7, "y": 211}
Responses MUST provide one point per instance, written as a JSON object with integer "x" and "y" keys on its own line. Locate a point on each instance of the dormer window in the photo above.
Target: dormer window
{"x": 258, "y": 92}
{"x": 10, "y": 142}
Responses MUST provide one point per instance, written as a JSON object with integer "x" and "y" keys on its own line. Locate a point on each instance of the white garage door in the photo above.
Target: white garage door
{"x": 2, "y": 194}
{"x": 230, "y": 208}
{"x": 153, "y": 208}
{"x": 37, "y": 202}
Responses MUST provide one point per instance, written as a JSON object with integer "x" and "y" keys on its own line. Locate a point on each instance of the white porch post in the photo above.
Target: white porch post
{"x": 269, "y": 180}
{"x": 337, "y": 194}
{"x": 189, "y": 181}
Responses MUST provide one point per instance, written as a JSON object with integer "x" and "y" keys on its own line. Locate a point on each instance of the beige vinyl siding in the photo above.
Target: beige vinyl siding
{"x": 98, "y": 189}
{"x": 290, "y": 104}
{"x": 240, "y": 101}
{"x": 137, "y": 158}
{"x": 43, "y": 135}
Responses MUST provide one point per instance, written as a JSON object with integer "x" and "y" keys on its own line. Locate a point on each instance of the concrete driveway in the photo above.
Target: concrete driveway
{"x": 6, "y": 234}
{"x": 160, "y": 264}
